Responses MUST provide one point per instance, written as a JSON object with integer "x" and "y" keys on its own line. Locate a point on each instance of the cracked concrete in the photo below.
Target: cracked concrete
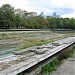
{"x": 67, "y": 68}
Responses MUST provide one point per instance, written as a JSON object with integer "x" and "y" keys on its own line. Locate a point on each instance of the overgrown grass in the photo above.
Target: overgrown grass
{"x": 28, "y": 43}
{"x": 56, "y": 62}
{"x": 71, "y": 53}
{"x": 34, "y": 42}
{"x": 3, "y": 35}
{"x": 49, "y": 68}
{"x": 26, "y": 39}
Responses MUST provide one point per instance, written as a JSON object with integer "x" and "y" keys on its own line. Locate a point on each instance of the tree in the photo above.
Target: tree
{"x": 11, "y": 18}
{"x": 59, "y": 23}
{"x": 72, "y": 23}
{"x": 8, "y": 17}
{"x": 66, "y": 23}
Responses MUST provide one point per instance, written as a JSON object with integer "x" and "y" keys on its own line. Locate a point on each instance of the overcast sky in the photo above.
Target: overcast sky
{"x": 65, "y": 8}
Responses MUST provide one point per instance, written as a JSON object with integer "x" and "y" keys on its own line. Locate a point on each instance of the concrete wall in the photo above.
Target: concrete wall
{"x": 35, "y": 70}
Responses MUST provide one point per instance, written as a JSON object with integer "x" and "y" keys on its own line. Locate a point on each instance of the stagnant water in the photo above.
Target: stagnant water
{"x": 7, "y": 52}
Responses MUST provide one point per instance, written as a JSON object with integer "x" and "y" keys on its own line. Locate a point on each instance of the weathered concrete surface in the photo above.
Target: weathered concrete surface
{"x": 31, "y": 60}
{"x": 67, "y": 68}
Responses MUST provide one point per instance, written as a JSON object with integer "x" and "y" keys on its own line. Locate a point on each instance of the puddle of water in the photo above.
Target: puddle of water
{"x": 2, "y": 51}
{"x": 4, "y": 54}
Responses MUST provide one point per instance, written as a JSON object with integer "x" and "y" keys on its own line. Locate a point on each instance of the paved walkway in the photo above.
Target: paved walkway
{"x": 67, "y": 68}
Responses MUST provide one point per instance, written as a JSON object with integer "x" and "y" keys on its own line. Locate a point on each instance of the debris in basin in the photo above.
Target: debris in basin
{"x": 17, "y": 53}
{"x": 45, "y": 46}
{"x": 32, "y": 50}
{"x": 56, "y": 44}
{"x": 48, "y": 46}
{"x": 41, "y": 51}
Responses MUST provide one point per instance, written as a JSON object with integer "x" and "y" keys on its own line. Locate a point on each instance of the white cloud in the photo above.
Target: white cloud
{"x": 47, "y": 6}
{"x": 63, "y": 3}
{"x": 68, "y": 15}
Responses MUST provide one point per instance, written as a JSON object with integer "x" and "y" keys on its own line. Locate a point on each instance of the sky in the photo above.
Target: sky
{"x": 65, "y": 8}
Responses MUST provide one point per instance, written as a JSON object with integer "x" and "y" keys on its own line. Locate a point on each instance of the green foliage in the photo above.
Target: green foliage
{"x": 70, "y": 54}
{"x": 7, "y": 16}
{"x": 3, "y": 35}
{"x": 11, "y": 18}
{"x": 52, "y": 66}
{"x": 49, "y": 68}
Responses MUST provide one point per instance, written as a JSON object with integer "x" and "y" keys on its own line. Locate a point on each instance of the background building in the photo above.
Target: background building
{"x": 55, "y": 15}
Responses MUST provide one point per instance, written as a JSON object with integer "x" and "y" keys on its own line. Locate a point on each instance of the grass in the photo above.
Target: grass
{"x": 26, "y": 39}
{"x": 3, "y": 35}
{"x": 56, "y": 62}
{"x": 29, "y": 43}
{"x": 71, "y": 53}
{"x": 49, "y": 68}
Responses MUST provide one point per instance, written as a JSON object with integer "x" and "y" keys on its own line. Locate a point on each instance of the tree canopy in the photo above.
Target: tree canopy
{"x": 17, "y": 18}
